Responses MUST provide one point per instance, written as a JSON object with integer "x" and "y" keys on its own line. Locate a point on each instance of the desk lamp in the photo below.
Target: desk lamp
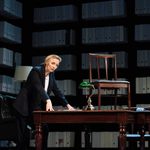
{"x": 88, "y": 85}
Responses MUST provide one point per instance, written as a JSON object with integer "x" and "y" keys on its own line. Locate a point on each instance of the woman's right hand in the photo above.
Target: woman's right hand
{"x": 49, "y": 106}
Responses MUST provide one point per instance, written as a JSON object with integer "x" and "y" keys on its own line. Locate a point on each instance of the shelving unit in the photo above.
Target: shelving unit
{"x": 10, "y": 44}
{"x": 10, "y": 56}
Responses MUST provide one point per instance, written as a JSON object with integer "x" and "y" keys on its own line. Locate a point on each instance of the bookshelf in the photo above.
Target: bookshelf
{"x": 72, "y": 29}
{"x": 10, "y": 44}
{"x": 10, "y": 53}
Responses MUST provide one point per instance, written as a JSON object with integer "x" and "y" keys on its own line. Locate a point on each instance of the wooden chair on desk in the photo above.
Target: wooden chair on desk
{"x": 103, "y": 75}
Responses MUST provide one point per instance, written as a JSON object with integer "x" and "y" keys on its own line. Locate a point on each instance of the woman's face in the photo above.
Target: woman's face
{"x": 52, "y": 65}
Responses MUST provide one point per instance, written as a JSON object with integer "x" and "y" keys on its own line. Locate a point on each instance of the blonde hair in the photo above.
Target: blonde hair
{"x": 52, "y": 56}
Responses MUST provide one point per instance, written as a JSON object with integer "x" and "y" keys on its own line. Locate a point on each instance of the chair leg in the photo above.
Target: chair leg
{"x": 99, "y": 98}
{"x": 115, "y": 106}
{"x": 129, "y": 97}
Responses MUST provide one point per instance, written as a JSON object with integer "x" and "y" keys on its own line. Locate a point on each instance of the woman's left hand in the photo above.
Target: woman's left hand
{"x": 70, "y": 107}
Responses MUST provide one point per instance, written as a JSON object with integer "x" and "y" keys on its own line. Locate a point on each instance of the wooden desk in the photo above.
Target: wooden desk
{"x": 83, "y": 117}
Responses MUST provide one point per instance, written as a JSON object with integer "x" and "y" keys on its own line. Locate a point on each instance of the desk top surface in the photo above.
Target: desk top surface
{"x": 84, "y": 116}
{"x": 83, "y": 111}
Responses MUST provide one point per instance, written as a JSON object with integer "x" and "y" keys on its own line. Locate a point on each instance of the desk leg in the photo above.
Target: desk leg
{"x": 142, "y": 140}
{"x": 148, "y": 133}
{"x": 88, "y": 138}
{"x": 122, "y": 138}
{"x": 38, "y": 137}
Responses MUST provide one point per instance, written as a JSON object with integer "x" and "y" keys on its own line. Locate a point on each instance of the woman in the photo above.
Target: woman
{"x": 35, "y": 95}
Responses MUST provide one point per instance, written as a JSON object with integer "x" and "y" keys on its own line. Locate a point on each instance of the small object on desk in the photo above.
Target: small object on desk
{"x": 89, "y": 105}
{"x": 88, "y": 85}
{"x": 140, "y": 109}
{"x": 85, "y": 84}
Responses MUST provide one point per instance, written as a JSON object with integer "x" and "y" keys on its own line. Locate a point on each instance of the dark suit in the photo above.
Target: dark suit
{"x": 33, "y": 97}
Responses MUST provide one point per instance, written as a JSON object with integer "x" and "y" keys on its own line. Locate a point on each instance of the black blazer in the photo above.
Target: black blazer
{"x": 32, "y": 95}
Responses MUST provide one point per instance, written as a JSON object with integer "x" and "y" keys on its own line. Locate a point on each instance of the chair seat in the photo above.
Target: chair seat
{"x": 111, "y": 84}
{"x": 110, "y": 81}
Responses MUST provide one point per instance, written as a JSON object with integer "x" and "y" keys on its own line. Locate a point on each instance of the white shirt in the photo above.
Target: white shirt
{"x": 46, "y": 82}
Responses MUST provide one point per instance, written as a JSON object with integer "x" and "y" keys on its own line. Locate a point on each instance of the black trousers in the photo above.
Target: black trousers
{"x": 23, "y": 133}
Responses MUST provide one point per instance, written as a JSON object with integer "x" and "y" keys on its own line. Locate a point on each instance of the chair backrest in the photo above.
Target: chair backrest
{"x": 102, "y": 62}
